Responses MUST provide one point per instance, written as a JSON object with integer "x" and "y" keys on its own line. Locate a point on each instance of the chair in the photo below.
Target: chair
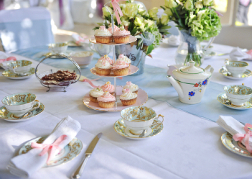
{"x": 25, "y": 28}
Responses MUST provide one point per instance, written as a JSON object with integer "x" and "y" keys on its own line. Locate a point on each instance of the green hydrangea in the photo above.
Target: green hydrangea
{"x": 206, "y": 25}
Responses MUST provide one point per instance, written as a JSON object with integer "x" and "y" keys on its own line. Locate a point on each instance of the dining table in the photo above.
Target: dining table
{"x": 189, "y": 146}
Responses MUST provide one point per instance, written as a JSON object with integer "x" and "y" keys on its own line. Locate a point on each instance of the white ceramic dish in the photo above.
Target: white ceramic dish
{"x": 82, "y": 58}
{"x": 58, "y": 47}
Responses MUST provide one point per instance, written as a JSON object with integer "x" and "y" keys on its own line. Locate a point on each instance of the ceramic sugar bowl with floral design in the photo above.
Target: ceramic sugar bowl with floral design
{"x": 190, "y": 82}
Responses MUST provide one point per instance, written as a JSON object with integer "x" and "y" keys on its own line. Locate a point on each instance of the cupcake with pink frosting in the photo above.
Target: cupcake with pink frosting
{"x": 108, "y": 87}
{"x": 103, "y": 67}
{"x": 121, "y": 36}
{"x": 128, "y": 98}
{"x": 115, "y": 28}
{"x": 120, "y": 68}
{"x": 102, "y": 35}
{"x": 106, "y": 57}
{"x": 107, "y": 100}
{"x": 124, "y": 58}
{"x": 131, "y": 86}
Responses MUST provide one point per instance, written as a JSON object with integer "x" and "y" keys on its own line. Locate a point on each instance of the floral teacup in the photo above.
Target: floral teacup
{"x": 238, "y": 94}
{"x": 139, "y": 118}
{"x": 19, "y": 66}
{"x": 236, "y": 68}
{"x": 20, "y": 103}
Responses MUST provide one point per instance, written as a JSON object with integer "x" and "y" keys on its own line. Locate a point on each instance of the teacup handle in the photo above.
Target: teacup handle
{"x": 36, "y": 105}
{"x": 160, "y": 122}
{"x": 90, "y": 46}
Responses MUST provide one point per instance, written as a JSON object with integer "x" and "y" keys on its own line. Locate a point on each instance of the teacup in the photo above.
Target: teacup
{"x": 82, "y": 58}
{"x": 138, "y": 119}
{"x": 236, "y": 68}
{"x": 101, "y": 49}
{"x": 238, "y": 94}
{"x": 20, "y": 103}
{"x": 20, "y": 66}
{"x": 58, "y": 47}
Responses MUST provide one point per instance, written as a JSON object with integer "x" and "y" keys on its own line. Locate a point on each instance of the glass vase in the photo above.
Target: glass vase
{"x": 189, "y": 49}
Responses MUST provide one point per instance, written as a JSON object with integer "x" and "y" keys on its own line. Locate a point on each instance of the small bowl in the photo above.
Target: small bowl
{"x": 82, "y": 58}
{"x": 19, "y": 66}
{"x": 238, "y": 94}
{"x": 236, "y": 68}
{"x": 138, "y": 119}
{"x": 58, "y": 47}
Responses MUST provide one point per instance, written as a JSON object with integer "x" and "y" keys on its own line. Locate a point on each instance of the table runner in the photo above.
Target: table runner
{"x": 157, "y": 86}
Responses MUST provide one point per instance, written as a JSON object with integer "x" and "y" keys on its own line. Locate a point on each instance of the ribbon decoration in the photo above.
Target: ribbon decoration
{"x": 117, "y": 9}
{"x": 240, "y": 137}
{"x": 50, "y": 148}
{"x": 90, "y": 82}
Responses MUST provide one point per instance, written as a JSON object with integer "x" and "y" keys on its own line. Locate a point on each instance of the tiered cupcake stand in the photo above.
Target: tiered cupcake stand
{"x": 142, "y": 96}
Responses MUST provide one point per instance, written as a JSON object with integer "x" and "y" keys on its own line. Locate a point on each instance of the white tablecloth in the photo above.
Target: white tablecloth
{"x": 188, "y": 146}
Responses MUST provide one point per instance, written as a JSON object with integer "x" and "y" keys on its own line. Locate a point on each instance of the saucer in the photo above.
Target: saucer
{"x": 7, "y": 116}
{"x": 11, "y": 75}
{"x": 122, "y": 130}
{"x": 209, "y": 55}
{"x": 225, "y": 73}
{"x": 223, "y": 97}
{"x": 69, "y": 152}
{"x": 142, "y": 97}
{"x": 133, "y": 69}
{"x": 236, "y": 147}
{"x": 67, "y": 53}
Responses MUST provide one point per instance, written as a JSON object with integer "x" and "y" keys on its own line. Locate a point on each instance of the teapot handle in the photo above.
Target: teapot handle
{"x": 209, "y": 67}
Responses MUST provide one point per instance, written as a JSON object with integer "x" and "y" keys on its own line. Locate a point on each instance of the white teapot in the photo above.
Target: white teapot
{"x": 190, "y": 82}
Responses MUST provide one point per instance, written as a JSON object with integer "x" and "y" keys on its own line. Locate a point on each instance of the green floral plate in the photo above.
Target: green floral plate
{"x": 69, "y": 152}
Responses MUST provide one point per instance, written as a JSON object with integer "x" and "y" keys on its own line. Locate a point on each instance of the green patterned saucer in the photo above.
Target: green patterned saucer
{"x": 236, "y": 147}
{"x": 222, "y": 98}
{"x": 11, "y": 75}
{"x": 122, "y": 130}
{"x": 69, "y": 152}
{"x": 7, "y": 116}
{"x": 228, "y": 75}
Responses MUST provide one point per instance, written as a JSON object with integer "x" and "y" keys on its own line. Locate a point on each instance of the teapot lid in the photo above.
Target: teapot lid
{"x": 191, "y": 69}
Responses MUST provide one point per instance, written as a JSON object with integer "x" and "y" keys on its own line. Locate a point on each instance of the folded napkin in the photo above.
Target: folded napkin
{"x": 27, "y": 164}
{"x": 237, "y": 130}
{"x": 238, "y": 54}
{"x": 79, "y": 39}
{"x": 174, "y": 40}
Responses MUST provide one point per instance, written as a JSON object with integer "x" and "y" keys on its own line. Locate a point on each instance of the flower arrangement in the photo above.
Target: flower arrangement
{"x": 197, "y": 20}
{"x": 146, "y": 26}
{"x": 198, "y": 17}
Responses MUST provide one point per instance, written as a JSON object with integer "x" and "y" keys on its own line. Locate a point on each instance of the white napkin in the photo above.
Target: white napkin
{"x": 26, "y": 164}
{"x": 238, "y": 54}
{"x": 79, "y": 39}
{"x": 233, "y": 127}
{"x": 174, "y": 40}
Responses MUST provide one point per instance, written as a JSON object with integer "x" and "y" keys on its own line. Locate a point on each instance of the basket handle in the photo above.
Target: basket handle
{"x": 60, "y": 55}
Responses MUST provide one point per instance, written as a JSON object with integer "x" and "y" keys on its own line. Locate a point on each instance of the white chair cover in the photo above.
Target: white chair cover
{"x": 25, "y": 28}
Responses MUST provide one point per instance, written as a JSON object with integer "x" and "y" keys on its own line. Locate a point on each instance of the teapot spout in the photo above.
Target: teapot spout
{"x": 176, "y": 85}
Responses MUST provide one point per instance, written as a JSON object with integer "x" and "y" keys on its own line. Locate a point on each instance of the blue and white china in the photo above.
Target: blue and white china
{"x": 228, "y": 75}
{"x": 238, "y": 94}
{"x": 234, "y": 146}
{"x": 190, "y": 82}
{"x": 10, "y": 117}
{"x": 223, "y": 99}
{"x": 137, "y": 119}
{"x": 236, "y": 68}
{"x": 124, "y": 131}
{"x": 20, "y": 103}
{"x": 19, "y": 66}
{"x": 14, "y": 76}
{"x": 67, "y": 154}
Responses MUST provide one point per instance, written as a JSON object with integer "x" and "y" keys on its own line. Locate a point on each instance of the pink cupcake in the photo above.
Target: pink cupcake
{"x": 121, "y": 36}
{"x": 106, "y": 100}
{"x": 108, "y": 87}
{"x": 120, "y": 68}
{"x": 115, "y": 28}
{"x": 106, "y": 57}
